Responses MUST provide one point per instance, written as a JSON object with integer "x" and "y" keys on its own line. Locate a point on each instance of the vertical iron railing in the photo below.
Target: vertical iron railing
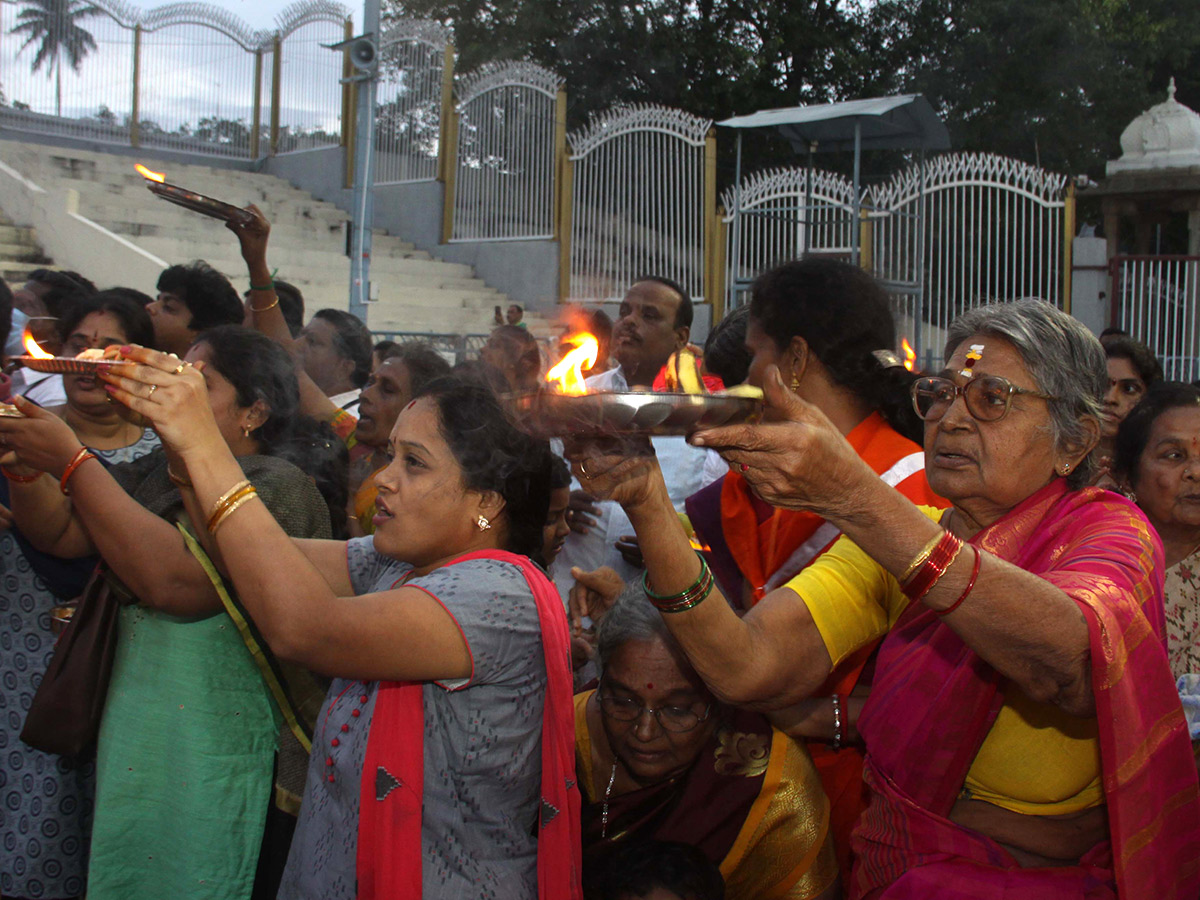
{"x": 1155, "y": 302}
{"x": 967, "y": 229}
{"x": 638, "y": 201}
{"x": 504, "y": 183}
{"x": 408, "y": 126}
{"x": 186, "y": 76}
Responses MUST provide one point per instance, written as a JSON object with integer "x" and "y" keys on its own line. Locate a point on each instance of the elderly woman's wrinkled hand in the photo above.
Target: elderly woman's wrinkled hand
{"x": 796, "y": 459}
{"x": 622, "y": 469}
{"x": 38, "y": 438}
{"x": 169, "y": 393}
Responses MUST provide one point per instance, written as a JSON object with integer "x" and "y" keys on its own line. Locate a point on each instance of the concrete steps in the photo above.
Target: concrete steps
{"x": 19, "y": 251}
{"x": 308, "y": 237}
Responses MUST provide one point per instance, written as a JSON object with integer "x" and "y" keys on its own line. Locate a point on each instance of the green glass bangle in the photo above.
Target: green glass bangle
{"x": 669, "y": 598}
{"x": 263, "y": 287}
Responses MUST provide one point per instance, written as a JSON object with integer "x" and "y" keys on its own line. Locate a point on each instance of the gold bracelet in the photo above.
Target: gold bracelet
{"x": 254, "y": 308}
{"x": 225, "y": 499}
{"x": 921, "y": 558}
{"x": 242, "y": 499}
{"x": 177, "y": 480}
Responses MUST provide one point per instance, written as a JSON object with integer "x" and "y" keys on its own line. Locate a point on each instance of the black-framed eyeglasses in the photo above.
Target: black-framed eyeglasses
{"x": 988, "y": 397}
{"x": 677, "y": 719}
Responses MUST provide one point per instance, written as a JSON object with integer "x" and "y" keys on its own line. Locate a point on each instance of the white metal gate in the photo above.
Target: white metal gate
{"x": 773, "y": 221}
{"x": 408, "y": 111}
{"x": 963, "y": 230}
{"x": 504, "y": 183}
{"x": 1156, "y": 303}
{"x": 638, "y": 200}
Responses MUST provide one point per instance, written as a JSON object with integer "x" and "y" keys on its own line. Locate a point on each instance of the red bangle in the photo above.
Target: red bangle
{"x": 77, "y": 460}
{"x": 939, "y": 560}
{"x": 970, "y": 584}
{"x": 20, "y": 479}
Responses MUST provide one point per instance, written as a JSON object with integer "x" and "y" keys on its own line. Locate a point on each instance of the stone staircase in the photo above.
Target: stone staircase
{"x": 416, "y": 293}
{"x": 19, "y": 251}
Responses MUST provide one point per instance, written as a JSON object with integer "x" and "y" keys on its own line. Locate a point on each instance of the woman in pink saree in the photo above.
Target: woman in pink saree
{"x": 1023, "y": 736}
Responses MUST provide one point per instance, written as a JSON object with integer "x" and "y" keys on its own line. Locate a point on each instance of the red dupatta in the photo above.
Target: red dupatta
{"x": 389, "y": 825}
{"x": 934, "y": 701}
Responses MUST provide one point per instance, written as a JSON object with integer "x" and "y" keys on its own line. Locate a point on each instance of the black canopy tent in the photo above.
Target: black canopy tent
{"x": 901, "y": 122}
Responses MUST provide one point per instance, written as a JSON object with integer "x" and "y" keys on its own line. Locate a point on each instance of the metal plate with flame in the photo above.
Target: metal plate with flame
{"x": 548, "y": 414}
{"x": 62, "y": 365}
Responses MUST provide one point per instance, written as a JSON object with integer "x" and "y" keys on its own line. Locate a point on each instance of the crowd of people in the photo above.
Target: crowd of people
{"x": 334, "y": 626}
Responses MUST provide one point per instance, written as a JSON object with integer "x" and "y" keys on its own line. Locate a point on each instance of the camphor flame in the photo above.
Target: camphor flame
{"x": 149, "y": 175}
{"x": 569, "y": 370}
{"x": 910, "y": 355}
{"x": 32, "y": 348}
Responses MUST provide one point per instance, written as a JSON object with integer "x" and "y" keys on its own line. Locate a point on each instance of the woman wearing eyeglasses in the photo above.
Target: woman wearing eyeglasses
{"x": 659, "y": 758}
{"x": 1023, "y": 734}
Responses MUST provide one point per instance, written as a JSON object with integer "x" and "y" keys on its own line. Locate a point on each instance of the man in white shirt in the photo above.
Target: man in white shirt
{"x": 655, "y": 320}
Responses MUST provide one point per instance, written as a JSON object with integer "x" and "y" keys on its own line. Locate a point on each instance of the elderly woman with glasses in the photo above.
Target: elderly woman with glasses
{"x": 660, "y": 759}
{"x": 1023, "y": 734}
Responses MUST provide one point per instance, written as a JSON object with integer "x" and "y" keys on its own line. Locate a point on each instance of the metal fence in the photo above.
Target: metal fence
{"x": 507, "y": 135}
{"x": 962, "y": 230}
{"x": 1156, "y": 299}
{"x": 638, "y": 203}
{"x": 772, "y": 219}
{"x": 185, "y": 76}
{"x": 414, "y": 62}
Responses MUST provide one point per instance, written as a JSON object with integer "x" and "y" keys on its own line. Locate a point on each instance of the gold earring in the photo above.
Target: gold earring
{"x": 482, "y": 522}
{"x": 795, "y": 381}
{"x": 245, "y": 431}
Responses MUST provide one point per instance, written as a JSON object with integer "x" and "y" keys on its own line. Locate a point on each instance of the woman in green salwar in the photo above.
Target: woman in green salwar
{"x": 205, "y": 735}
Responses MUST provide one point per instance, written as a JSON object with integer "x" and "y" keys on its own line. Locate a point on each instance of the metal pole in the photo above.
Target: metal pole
{"x": 363, "y": 209}
{"x": 736, "y": 222}
{"x": 808, "y": 211}
{"x": 854, "y": 243}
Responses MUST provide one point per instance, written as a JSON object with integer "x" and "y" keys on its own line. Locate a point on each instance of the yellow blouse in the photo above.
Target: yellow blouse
{"x": 1036, "y": 759}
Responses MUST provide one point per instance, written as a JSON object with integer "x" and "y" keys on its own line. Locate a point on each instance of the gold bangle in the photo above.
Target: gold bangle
{"x": 234, "y": 506}
{"x": 254, "y": 308}
{"x": 219, "y": 512}
{"x": 921, "y": 558}
{"x": 177, "y": 480}
{"x": 225, "y": 499}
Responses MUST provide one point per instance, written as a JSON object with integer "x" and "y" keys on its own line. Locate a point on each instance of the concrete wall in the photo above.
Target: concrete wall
{"x": 527, "y": 271}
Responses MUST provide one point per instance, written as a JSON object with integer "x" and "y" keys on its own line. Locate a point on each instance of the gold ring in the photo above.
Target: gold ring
{"x": 178, "y": 370}
{"x": 583, "y": 469}
{"x": 153, "y": 388}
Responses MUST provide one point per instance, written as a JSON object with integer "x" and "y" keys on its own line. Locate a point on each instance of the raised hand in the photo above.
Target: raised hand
{"x": 796, "y": 459}
{"x": 171, "y": 394}
{"x": 40, "y": 439}
{"x": 252, "y": 232}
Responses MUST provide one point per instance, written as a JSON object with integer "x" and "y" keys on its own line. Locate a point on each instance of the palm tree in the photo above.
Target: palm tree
{"x": 55, "y": 24}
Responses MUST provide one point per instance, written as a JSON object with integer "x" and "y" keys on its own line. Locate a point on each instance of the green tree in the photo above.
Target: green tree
{"x": 1052, "y": 83}
{"x": 54, "y": 26}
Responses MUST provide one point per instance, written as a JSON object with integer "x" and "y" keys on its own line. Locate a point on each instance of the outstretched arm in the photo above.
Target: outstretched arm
{"x": 397, "y": 635}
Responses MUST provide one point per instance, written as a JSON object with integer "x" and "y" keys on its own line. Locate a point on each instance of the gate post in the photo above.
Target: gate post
{"x": 135, "y": 132}
{"x": 1068, "y": 237}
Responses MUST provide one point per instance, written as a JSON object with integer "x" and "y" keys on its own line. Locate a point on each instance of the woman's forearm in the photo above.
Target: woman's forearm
{"x": 46, "y": 519}
{"x": 1022, "y": 625}
{"x": 767, "y": 659}
{"x": 144, "y": 550}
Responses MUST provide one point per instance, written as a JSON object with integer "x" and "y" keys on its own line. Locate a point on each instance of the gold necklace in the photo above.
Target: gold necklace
{"x": 612, "y": 776}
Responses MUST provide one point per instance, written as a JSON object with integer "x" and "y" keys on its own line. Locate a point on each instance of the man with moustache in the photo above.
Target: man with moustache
{"x": 654, "y": 321}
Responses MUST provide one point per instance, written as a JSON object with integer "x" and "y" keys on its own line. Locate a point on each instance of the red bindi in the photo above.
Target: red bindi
{"x": 649, "y": 685}
{"x": 411, "y": 404}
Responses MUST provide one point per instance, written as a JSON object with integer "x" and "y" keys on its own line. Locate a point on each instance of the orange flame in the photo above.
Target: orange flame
{"x": 696, "y": 545}
{"x": 569, "y": 371}
{"x": 910, "y": 355}
{"x": 32, "y": 348}
{"x": 152, "y": 176}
